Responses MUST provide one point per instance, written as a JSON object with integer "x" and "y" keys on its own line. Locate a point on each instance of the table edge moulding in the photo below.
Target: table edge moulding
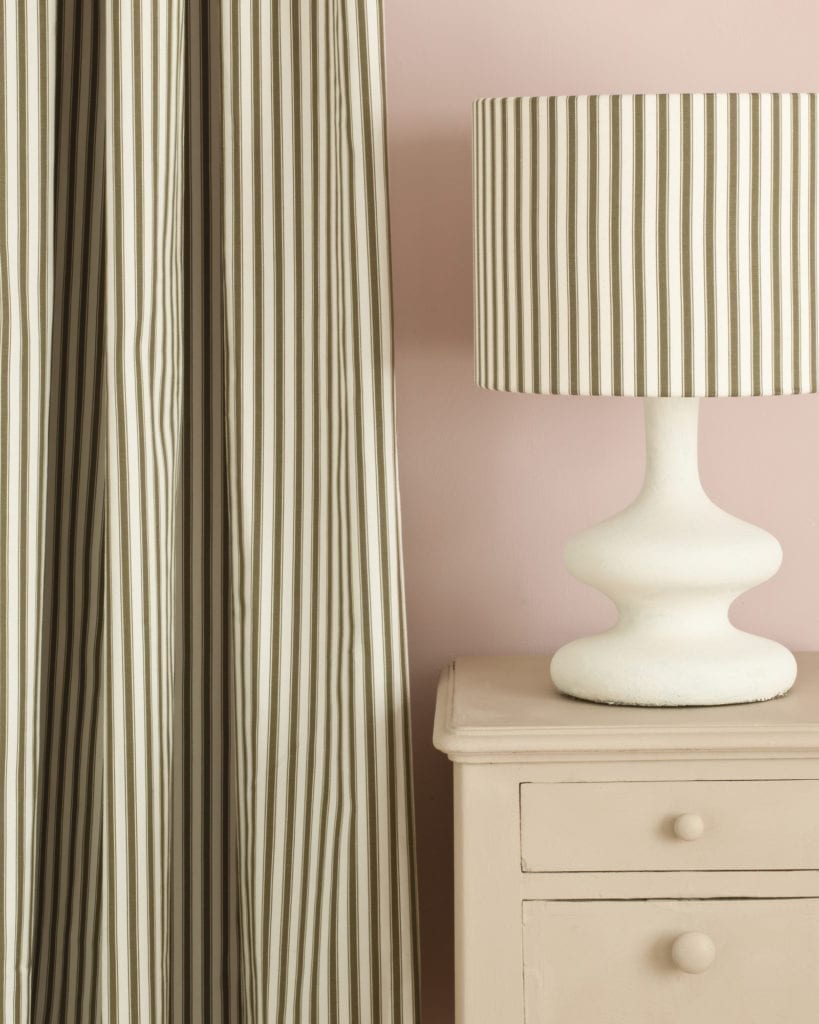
{"x": 479, "y": 719}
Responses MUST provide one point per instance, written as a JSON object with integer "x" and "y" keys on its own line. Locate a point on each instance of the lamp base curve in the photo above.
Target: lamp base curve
{"x": 673, "y": 562}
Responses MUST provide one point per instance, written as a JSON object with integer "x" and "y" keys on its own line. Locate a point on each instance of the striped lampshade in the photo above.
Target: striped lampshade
{"x": 663, "y": 246}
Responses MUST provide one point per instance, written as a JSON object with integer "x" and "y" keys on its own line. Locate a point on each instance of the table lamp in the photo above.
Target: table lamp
{"x": 662, "y": 247}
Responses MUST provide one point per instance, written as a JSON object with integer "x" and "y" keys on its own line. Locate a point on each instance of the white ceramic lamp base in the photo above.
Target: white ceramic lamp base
{"x": 673, "y": 562}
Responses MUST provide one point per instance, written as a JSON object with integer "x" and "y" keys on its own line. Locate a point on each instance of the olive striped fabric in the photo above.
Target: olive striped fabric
{"x": 325, "y": 877}
{"x": 205, "y": 779}
{"x": 647, "y": 245}
{"x": 26, "y": 298}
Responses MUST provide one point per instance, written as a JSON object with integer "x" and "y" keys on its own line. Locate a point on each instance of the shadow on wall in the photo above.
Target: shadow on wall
{"x": 431, "y": 211}
{"x": 484, "y": 513}
{"x": 430, "y": 188}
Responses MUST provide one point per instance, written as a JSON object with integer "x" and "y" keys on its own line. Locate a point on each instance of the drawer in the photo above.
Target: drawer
{"x": 670, "y": 826}
{"x": 624, "y": 962}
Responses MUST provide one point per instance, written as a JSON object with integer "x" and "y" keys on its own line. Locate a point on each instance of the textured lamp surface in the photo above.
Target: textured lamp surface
{"x": 664, "y": 247}
{"x": 647, "y": 245}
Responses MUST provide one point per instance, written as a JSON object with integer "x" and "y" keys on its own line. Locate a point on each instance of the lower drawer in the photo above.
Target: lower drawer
{"x": 671, "y": 961}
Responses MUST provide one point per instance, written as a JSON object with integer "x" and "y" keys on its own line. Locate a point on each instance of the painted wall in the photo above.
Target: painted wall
{"x": 493, "y": 485}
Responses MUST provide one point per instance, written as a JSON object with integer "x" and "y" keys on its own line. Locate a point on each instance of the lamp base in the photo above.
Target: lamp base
{"x": 673, "y": 563}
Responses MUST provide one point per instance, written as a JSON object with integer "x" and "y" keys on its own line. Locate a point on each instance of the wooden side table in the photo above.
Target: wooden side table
{"x": 631, "y": 865}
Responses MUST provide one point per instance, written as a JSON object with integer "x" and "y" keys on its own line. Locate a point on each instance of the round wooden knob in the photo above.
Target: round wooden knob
{"x": 693, "y": 952}
{"x": 689, "y": 827}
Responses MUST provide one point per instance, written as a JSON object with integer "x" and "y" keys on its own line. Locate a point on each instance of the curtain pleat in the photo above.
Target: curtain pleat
{"x": 204, "y": 746}
{"x": 69, "y": 865}
{"x": 144, "y": 117}
{"x": 324, "y": 869}
{"x": 205, "y": 927}
{"x": 26, "y": 296}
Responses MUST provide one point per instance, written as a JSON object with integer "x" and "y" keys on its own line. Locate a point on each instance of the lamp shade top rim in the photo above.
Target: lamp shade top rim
{"x": 643, "y": 95}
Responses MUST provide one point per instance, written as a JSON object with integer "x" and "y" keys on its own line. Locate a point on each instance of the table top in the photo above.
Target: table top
{"x": 493, "y": 708}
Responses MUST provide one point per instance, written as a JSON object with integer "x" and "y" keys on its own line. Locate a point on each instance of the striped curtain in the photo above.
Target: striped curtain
{"x": 205, "y": 788}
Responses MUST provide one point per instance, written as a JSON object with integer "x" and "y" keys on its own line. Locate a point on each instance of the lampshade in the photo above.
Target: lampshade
{"x": 654, "y": 245}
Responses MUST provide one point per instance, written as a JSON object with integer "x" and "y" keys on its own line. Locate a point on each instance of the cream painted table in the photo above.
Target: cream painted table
{"x": 631, "y": 865}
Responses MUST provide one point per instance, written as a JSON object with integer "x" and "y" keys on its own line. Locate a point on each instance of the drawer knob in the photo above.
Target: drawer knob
{"x": 689, "y": 827}
{"x": 693, "y": 952}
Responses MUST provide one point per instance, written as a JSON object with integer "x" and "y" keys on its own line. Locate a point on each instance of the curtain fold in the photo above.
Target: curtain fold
{"x": 204, "y": 731}
{"x": 26, "y": 298}
{"x": 67, "y": 896}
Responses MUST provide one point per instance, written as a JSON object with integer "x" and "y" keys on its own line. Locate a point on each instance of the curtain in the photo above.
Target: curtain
{"x": 205, "y": 787}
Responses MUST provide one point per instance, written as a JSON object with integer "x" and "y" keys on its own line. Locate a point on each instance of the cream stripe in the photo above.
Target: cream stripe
{"x": 649, "y": 256}
{"x": 526, "y": 202}
{"x": 674, "y": 246}
{"x": 803, "y": 243}
{"x": 626, "y": 208}
{"x": 510, "y": 221}
{"x": 581, "y": 228}
{"x": 603, "y": 217}
{"x": 765, "y": 261}
{"x": 743, "y": 243}
{"x": 788, "y": 269}
{"x": 722, "y": 228}
{"x": 698, "y": 319}
{"x": 560, "y": 186}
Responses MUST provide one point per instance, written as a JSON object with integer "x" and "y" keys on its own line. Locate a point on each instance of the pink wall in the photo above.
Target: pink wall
{"x": 493, "y": 485}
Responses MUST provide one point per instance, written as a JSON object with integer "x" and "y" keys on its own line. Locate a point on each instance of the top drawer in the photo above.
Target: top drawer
{"x": 670, "y": 826}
